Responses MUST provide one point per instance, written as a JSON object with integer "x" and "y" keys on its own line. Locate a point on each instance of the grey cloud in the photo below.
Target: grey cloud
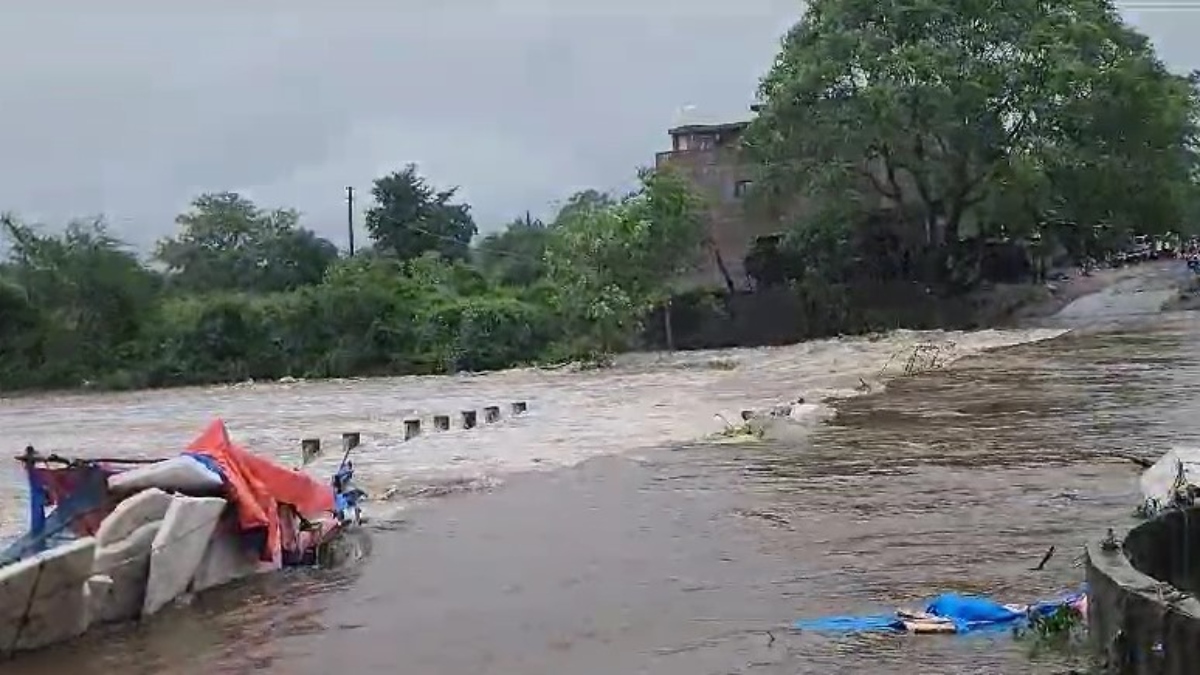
{"x": 132, "y": 109}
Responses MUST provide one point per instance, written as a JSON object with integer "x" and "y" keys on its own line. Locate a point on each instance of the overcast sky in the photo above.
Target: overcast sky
{"x": 129, "y": 109}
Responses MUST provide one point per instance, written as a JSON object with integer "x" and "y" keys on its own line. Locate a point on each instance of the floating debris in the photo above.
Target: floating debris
{"x": 954, "y": 614}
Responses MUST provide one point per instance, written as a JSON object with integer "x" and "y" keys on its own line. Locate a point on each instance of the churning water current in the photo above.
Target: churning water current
{"x": 664, "y": 553}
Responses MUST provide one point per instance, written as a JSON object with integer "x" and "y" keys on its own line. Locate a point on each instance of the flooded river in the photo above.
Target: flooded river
{"x": 662, "y": 553}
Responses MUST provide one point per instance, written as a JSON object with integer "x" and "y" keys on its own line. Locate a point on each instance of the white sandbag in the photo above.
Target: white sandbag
{"x": 126, "y": 563}
{"x": 97, "y": 591}
{"x": 224, "y": 561}
{"x": 1160, "y": 482}
{"x": 179, "y": 548}
{"x": 42, "y": 598}
{"x": 182, "y": 474}
{"x": 143, "y": 508}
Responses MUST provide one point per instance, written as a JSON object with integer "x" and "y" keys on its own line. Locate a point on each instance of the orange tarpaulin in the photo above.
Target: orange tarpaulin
{"x": 257, "y": 486}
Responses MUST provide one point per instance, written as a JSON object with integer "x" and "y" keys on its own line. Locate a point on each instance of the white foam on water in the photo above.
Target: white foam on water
{"x": 646, "y": 400}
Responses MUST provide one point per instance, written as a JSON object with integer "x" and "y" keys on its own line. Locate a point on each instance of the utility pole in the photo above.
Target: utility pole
{"x": 350, "y": 217}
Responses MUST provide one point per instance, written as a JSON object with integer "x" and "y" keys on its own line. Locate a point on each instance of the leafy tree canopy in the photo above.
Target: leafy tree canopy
{"x": 84, "y": 291}
{"x": 515, "y": 255}
{"x": 226, "y": 242}
{"x": 611, "y": 262}
{"x": 411, "y": 218}
{"x": 978, "y": 113}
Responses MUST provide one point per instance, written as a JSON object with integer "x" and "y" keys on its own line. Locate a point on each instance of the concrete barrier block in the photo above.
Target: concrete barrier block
{"x": 469, "y": 419}
{"x": 310, "y": 449}
{"x": 412, "y": 429}
{"x": 491, "y": 414}
{"x": 519, "y": 408}
{"x": 441, "y": 422}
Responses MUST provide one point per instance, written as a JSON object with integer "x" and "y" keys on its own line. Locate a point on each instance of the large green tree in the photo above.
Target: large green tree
{"x": 975, "y": 112}
{"x": 515, "y": 256}
{"x": 612, "y": 262}
{"x": 82, "y": 295}
{"x": 583, "y": 201}
{"x": 226, "y": 242}
{"x": 411, "y": 218}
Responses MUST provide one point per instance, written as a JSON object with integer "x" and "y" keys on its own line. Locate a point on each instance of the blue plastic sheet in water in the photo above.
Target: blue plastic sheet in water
{"x": 970, "y": 612}
{"x": 883, "y": 623}
{"x": 967, "y": 613}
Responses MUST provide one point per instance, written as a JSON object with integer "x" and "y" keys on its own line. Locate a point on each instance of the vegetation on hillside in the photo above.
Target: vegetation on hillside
{"x": 921, "y": 135}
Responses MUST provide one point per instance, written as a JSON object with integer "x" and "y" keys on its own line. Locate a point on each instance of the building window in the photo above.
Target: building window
{"x": 742, "y": 188}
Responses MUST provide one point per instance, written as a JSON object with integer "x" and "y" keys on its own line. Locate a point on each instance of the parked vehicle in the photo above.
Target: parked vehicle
{"x": 1142, "y": 248}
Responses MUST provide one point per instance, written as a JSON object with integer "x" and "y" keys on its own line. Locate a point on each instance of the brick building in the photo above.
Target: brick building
{"x": 709, "y": 155}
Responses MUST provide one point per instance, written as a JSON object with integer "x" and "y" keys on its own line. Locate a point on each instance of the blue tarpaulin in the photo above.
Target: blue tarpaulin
{"x": 966, "y": 612}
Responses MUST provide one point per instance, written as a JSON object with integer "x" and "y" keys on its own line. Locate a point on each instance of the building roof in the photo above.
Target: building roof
{"x": 708, "y": 128}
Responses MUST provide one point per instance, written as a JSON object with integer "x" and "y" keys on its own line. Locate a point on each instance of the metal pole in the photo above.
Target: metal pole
{"x": 350, "y": 217}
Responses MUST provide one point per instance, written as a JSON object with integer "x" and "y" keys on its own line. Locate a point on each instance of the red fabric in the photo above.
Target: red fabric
{"x": 62, "y": 482}
{"x": 257, "y": 486}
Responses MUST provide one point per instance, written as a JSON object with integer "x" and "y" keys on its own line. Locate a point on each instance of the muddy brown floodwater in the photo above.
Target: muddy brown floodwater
{"x": 692, "y": 558}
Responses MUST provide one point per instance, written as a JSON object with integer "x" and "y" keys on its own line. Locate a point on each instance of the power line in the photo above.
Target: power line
{"x": 503, "y": 253}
